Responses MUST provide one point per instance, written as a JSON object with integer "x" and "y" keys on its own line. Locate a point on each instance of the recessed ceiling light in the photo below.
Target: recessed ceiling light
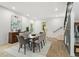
{"x": 56, "y": 9}
{"x": 13, "y": 8}
{"x": 56, "y": 15}
{"x": 27, "y": 15}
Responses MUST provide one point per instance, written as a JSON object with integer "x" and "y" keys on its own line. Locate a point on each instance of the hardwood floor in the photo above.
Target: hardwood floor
{"x": 57, "y": 49}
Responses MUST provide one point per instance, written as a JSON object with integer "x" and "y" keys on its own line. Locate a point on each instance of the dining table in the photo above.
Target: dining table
{"x": 33, "y": 38}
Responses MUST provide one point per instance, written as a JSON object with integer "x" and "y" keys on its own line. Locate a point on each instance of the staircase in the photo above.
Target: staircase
{"x": 59, "y": 33}
{"x": 66, "y": 28}
{"x": 67, "y": 25}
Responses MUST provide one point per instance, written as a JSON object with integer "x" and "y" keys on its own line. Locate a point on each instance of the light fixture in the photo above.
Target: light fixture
{"x": 32, "y": 21}
{"x": 56, "y": 15}
{"x": 13, "y": 8}
{"x": 56, "y": 9}
{"x": 27, "y": 15}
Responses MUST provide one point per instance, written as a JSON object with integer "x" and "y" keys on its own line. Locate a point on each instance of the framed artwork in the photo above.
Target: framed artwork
{"x": 16, "y": 23}
{"x": 44, "y": 26}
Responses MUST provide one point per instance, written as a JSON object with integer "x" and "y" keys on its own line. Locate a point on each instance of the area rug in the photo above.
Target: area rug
{"x": 14, "y": 51}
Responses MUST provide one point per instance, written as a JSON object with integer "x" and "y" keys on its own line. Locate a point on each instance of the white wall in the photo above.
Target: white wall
{"x": 25, "y": 23}
{"x": 53, "y": 24}
{"x": 37, "y": 26}
{"x": 5, "y": 17}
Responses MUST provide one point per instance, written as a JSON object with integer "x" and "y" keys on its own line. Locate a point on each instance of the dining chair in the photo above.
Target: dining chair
{"x": 42, "y": 37}
{"x": 22, "y": 42}
{"x": 38, "y": 42}
{"x": 26, "y": 36}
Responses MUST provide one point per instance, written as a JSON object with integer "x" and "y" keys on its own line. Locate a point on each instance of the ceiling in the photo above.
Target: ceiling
{"x": 38, "y": 9}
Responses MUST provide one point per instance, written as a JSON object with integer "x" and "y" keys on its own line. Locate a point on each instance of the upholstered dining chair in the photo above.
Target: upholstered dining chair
{"x": 42, "y": 38}
{"x": 38, "y": 42}
{"x": 23, "y": 34}
{"x": 26, "y": 36}
{"x": 22, "y": 42}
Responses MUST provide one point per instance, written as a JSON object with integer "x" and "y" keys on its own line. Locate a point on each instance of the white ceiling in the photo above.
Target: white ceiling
{"x": 38, "y": 9}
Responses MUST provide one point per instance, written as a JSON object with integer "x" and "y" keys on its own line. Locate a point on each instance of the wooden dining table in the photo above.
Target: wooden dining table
{"x": 33, "y": 38}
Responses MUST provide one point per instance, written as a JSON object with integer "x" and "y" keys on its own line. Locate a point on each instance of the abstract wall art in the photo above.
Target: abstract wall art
{"x": 16, "y": 23}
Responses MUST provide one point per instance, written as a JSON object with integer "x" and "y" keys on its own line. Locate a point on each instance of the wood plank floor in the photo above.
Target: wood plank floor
{"x": 57, "y": 49}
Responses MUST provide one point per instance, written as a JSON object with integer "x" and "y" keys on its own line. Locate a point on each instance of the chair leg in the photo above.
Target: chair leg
{"x": 29, "y": 44}
{"x": 20, "y": 46}
{"x": 19, "y": 49}
{"x": 25, "y": 49}
{"x": 39, "y": 47}
{"x": 43, "y": 42}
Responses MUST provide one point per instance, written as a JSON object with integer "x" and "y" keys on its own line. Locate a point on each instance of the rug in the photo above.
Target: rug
{"x": 14, "y": 51}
